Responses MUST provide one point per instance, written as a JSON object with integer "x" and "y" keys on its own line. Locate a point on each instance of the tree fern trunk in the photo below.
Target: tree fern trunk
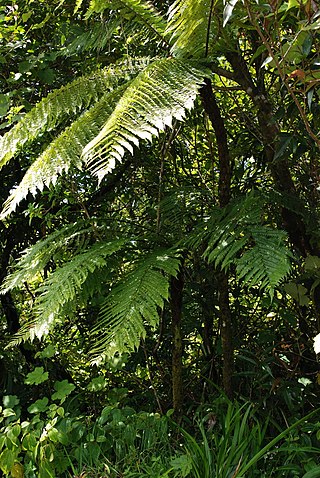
{"x": 177, "y": 345}
{"x": 212, "y": 109}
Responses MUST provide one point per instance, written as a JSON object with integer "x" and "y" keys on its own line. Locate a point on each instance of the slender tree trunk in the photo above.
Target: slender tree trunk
{"x": 279, "y": 169}
{"x": 212, "y": 109}
{"x": 177, "y": 345}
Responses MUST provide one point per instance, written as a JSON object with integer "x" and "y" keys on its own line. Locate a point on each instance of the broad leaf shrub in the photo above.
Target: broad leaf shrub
{"x": 52, "y": 438}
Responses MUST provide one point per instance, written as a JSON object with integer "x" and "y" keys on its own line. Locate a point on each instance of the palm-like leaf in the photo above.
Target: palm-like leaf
{"x": 137, "y": 11}
{"x": 68, "y": 287}
{"x": 164, "y": 90}
{"x": 235, "y": 235}
{"x": 59, "y": 245}
{"x": 62, "y": 103}
{"x": 267, "y": 263}
{"x": 188, "y": 28}
{"x": 135, "y": 303}
{"x": 53, "y": 110}
{"x": 64, "y": 152}
{"x": 97, "y": 38}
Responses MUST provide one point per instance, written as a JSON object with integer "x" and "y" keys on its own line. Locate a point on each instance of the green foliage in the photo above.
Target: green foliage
{"x": 188, "y": 28}
{"x": 163, "y": 91}
{"x": 64, "y": 152}
{"x": 95, "y": 39}
{"x": 69, "y": 286}
{"x": 37, "y": 376}
{"x": 62, "y": 390}
{"x": 51, "y": 441}
{"x": 236, "y": 236}
{"x": 54, "y": 109}
{"x": 69, "y": 239}
{"x": 141, "y": 12}
{"x": 157, "y": 207}
{"x": 135, "y": 302}
{"x": 237, "y": 444}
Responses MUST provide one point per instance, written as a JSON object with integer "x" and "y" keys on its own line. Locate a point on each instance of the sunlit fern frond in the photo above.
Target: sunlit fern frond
{"x": 64, "y": 152}
{"x": 163, "y": 91}
{"x": 68, "y": 287}
{"x": 67, "y": 101}
{"x": 138, "y": 11}
{"x": 227, "y": 229}
{"x": 57, "y": 246}
{"x": 188, "y": 24}
{"x": 226, "y": 224}
{"x": 134, "y": 303}
{"x": 53, "y": 110}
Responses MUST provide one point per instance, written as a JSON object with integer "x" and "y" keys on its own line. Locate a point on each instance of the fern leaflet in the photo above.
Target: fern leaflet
{"x": 62, "y": 103}
{"x": 140, "y": 11}
{"x": 235, "y": 235}
{"x": 56, "y": 246}
{"x": 68, "y": 287}
{"x": 267, "y": 262}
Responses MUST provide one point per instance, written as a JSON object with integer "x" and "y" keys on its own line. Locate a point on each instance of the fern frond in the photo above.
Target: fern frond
{"x": 235, "y": 235}
{"x": 62, "y": 103}
{"x": 188, "y": 25}
{"x": 224, "y": 231}
{"x": 267, "y": 263}
{"x": 72, "y": 238}
{"x": 64, "y": 152}
{"x": 53, "y": 110}
{"x": 135, "y": 303}
{"x": 95, "y": 39}
{"x": 139, "y": 11}
{"x": 68, "y": 287}
{"x": 164, "y": 90}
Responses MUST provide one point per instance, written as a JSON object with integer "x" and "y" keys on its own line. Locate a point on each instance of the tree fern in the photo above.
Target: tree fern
{"x": 72, "y": 238}
{"x": 95, "y": 39}
{"x": 68, "y": 287}
{"x": 236, "y": 235}
{"x": 134, "y": 303}
{"x": 164, "y": 90}
{"x": 58, "y": 105}
{"x": 267, "y": 262}
{"x": 188, "y": 25}
{"x": 136, "y": 11}
{"x": 64, "y": 152}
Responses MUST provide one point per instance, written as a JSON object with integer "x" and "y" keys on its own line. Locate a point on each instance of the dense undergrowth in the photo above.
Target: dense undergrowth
{"x": 60, "y": 435}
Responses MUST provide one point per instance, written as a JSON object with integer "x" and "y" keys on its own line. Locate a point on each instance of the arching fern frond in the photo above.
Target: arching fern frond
{"x": 164, "y": 90}
{"x": 236, "y": 236}
{"x": 95, "y": 39}
{"x": 62, "y": 103}
{"x": 188, "y": 25}
{"x": 70, "y": 239}
{"x": 64, "y": 152}
{"x": 139, "y": 11}
{"x": 267, "y": 262}
{"x": 68, "y": 287}
{"x": 53, "y": 110}
{"x": 134, "y": 303}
